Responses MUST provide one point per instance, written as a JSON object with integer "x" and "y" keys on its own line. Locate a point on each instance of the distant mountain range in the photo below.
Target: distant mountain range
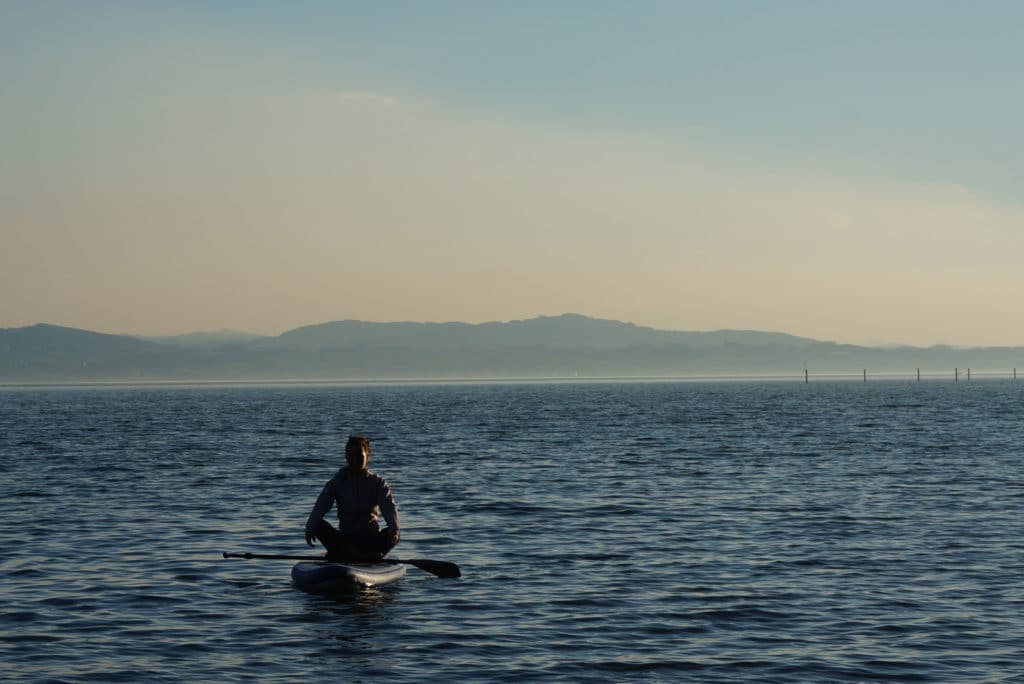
{"x": 564, "y": 346}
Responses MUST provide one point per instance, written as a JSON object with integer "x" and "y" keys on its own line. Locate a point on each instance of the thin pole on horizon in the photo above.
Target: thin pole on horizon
{"x": 865, "y": 375}
{"x": 806, "y": 379}
{"x": 956, "y": 375}
{"x": 919, "y": 375}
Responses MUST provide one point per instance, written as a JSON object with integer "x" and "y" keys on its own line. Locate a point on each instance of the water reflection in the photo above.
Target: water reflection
{"x": 367, "y": 604}
{"x": 352, "y": 622}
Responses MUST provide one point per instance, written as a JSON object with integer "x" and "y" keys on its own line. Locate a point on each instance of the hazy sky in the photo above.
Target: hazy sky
{"x": 846, "y": 171}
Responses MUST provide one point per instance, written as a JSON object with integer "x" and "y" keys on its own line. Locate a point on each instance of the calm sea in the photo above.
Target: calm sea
{"x": 729, "y": 532}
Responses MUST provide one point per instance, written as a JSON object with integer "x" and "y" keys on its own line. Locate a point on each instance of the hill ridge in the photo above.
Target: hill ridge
{"x": 568, "y": 345}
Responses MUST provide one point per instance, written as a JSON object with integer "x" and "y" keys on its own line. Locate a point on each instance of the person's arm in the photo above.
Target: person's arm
{"x": 388, "y": 509}
{"x": 320, "y": 508}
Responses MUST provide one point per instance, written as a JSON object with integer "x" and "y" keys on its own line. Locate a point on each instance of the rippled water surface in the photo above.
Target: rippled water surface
{"x": 606, "y": 532}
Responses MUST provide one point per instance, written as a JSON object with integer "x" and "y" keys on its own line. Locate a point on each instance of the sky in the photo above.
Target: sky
{"x": 842, "y": 171}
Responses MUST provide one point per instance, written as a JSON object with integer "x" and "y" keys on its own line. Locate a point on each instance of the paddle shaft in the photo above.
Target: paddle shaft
{"x": 439, "y": 568}
{"x": 272, "y": 556}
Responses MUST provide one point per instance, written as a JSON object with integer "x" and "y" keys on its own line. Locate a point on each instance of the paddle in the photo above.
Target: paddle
{"x": 434, "y": 567}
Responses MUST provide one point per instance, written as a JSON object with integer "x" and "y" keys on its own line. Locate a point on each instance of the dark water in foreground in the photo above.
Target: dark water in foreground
{"x": 606, "y": 532}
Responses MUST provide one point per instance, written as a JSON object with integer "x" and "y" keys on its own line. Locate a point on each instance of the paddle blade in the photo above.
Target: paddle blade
{"x": 435, "y": 567}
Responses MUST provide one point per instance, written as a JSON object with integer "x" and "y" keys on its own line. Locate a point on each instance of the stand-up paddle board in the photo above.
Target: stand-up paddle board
{"x": 328, "y": 576}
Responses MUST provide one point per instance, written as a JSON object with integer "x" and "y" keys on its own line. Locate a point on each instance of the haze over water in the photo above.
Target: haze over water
{"x": 762, "y": 532}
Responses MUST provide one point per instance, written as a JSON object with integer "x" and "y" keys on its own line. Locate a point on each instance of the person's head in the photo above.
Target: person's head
{"x": 357, "y": 452}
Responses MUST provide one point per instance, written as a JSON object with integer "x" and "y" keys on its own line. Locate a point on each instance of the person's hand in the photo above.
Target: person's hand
{"x": 393, "y": 537}
{"x": 310, "y": 536}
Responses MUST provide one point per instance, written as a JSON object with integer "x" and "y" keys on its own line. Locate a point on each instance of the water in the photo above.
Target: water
{"x": 773, "y": 532}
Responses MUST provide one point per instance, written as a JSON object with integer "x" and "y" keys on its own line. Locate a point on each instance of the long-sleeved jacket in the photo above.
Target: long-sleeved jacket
{"x": 360, "y": 496}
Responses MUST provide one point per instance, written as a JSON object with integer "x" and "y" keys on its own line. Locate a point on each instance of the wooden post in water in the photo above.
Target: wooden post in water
{"x": 956, "y": 375}
{"x": 805, "y": 377}
{"x": 865, "y": 375}
{"x": 919, "y": 375}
